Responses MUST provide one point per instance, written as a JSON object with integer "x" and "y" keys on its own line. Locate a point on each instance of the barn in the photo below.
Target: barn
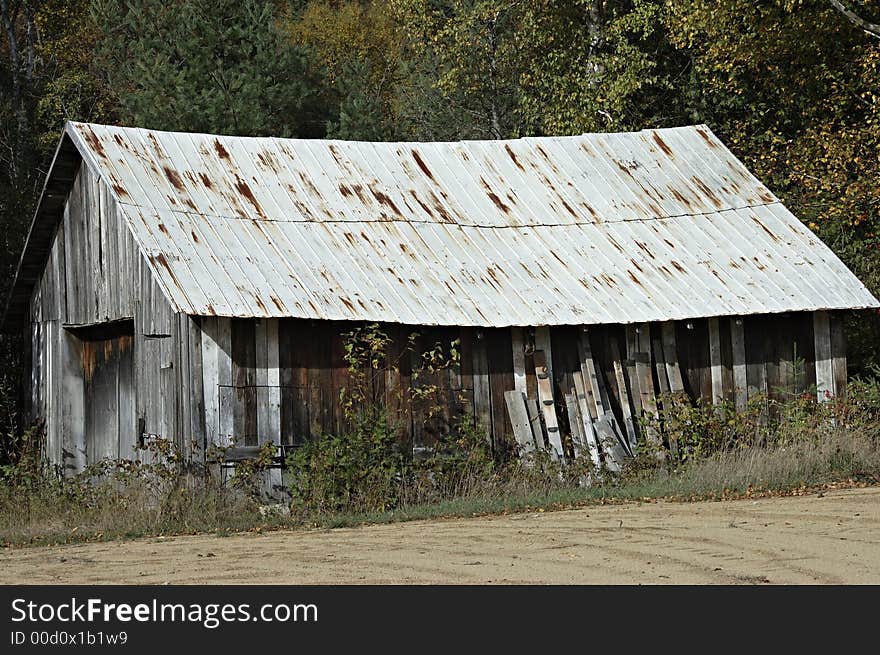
{"x": 204, "y": 289}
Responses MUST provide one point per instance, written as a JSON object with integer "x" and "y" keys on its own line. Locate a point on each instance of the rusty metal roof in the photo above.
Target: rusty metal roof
{"x": 599, "y": 228}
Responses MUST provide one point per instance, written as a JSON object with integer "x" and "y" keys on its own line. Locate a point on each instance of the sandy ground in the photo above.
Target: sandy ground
{"x": 832, "y": 538}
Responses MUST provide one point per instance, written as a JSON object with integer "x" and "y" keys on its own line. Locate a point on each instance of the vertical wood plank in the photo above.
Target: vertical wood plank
{"x": 626, "y": 406}
{"x": 519, "y": 359}
{"x": 670, "y": 357}
{"x": 519, "y": 420}
{"x": 548, "y": 407}
{"x": 646, "y": 389}
{"x": 482, "y": 391}
{"x": 738, "y": 347}
{"x": 824, "y": 356}
{"x": 589, "y": 373}
{"x": 535, "y": 421}
{"x": 589, "y": 430}
{"x": 500, "y": 355}
{"x": 542, "y": 343}
{"x": 715, "y": 361}
{"x": 578, "y": 442}
{"x": 226, "y": 390}
{"x": 838, "y": 355}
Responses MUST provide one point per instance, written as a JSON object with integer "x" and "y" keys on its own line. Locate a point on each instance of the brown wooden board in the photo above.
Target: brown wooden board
{"x": 482, "y": 390}
{"x": 500, "y": 380}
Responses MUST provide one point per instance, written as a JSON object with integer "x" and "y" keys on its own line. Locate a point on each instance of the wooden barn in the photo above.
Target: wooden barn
{"x": 200, "y": 288}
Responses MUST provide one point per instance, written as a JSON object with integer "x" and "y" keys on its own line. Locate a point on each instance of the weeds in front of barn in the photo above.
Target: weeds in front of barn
{"x": 365, "y": 477}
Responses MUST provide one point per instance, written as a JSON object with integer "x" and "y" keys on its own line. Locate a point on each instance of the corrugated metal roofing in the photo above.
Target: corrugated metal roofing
{"x": 600, "y": 228}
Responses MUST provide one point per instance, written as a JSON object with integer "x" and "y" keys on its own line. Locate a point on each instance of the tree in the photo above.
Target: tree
{"x": 358, "y": 44}
{"x": 219, "y": 66}
{"x": 463, "y": 62}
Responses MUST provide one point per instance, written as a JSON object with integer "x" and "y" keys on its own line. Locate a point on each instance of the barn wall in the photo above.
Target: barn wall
{"x": 281, "y": 379}
{"x": 95, "y": 276}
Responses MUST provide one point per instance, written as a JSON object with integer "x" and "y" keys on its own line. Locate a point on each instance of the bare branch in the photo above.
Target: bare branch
{"x": 869, "y": 28}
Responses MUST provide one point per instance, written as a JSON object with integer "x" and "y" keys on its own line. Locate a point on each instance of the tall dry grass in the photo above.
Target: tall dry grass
{"x": 336, "y": 481}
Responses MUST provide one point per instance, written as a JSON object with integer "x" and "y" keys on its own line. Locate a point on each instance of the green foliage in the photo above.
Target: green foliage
{"x": 360, "y": 469}
{"x": 216, "y": 66}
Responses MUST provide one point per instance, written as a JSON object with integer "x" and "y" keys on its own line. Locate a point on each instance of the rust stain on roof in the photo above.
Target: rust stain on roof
{"x": 243, "y": 188}
{"x": 421, "y": 164}
{"x": 662, "y": 144}
{"x": 707, "y": 191}
{"x": 221, "y": 151}
{"x": 764, "y": 227}
{"x": 513, "y": 157}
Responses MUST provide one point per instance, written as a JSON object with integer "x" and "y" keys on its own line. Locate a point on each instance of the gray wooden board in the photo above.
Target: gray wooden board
{"x": 542, "y": 342}
{"x": 482, "y": 391}
{"x": 519, "y": 359}
{"x": 838, "y": 355}
{"x": 646, "y": 389}
{"x": 715, "y": 361}
{"x": 824, "y": 366}
{"x": 670, "y": 357}
{"x": 586, "y": 420}
{"x": 660, "y": 362}
{"x": 591, "y": 378}
{"x": 626, "y": 406}
{"x": 519, "y": 419}
{"x": 548, "y": 407}
{"x": 738, "y": 348}
{"x": 577, "y": 441}
{"x": 535, "y": 421}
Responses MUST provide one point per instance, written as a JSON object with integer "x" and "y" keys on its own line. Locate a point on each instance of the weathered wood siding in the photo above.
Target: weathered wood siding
{"x": 281, "y": 379}
{"x": 95, "y": 276}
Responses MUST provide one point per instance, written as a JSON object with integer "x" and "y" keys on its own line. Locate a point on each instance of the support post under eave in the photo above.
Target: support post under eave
{"x": 830, "y": 345}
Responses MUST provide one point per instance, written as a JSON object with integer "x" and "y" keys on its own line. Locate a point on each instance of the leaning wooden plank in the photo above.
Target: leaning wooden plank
{"x": 591, "y": 378}
{"x": 586, "y": 420}
{"x": 519, "y": 419}
{"x": 577, "y": 437}
{"x": 629, "y": 365}
{"x": 519, "y": 359}
{"x": 548, "y": 408}
{"x": 646, "y": 389}
{"x": 535, "y": 423}
{"x": 715, "y": 361}
{"x": 738, "y": 347}
{"x": 838, "y": 355}
{"x": 632, "y": 340}
{"x": 626, "y": 406}
{"x": 824, "y": 365}
{"x": 542, "y": 342}
{"x": 660, "y": 363}
{"x": 670, "y": 357}
{"x": 611, "y": 442}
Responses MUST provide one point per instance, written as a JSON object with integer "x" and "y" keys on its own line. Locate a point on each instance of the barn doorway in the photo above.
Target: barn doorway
{"x": 107, "y": 358}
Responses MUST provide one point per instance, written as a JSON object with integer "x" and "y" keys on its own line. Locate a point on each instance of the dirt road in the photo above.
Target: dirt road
{"x": 833, "y": 538}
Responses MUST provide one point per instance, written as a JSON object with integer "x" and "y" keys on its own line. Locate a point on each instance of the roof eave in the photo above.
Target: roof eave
{"x": 50, "y": 209}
